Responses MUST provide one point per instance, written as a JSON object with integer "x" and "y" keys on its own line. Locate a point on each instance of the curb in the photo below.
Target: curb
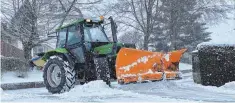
{"x": 24, "y": 85}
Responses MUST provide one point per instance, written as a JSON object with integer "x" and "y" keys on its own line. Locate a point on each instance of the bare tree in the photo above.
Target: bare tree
{"x": 213, "y": 11}
{"x": 138, "y": 14}
{"x": 146, "y": 17}
{"x": 32, "y": 20}
{"x": 132, "y": 38}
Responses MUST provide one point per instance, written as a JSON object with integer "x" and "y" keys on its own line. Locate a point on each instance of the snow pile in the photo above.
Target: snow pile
{"x": 99, "y": 84}
{"x": 99, "y": 91}
{"x": 230, "y": 85}
{"x": 94, "y": 88}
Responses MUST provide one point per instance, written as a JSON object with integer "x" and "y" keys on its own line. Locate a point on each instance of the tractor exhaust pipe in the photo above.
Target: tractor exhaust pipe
{"x": 114, "y": 34}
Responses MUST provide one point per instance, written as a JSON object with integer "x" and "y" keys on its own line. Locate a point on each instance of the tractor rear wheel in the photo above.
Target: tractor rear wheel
{"x": 58, "y": 75}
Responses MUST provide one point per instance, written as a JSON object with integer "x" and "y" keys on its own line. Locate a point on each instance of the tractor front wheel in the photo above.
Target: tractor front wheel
{"x": 58, "y": 75}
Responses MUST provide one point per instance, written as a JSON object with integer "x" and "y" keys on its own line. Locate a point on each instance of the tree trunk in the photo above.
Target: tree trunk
{"x": 27, "y": 52}
{"x": 146, "y": 41}
{"x": 27, "y": 55}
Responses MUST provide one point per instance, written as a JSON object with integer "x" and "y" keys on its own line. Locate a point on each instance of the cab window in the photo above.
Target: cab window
{"x": 74, "y": 35}
{"x": 61, "y": 38}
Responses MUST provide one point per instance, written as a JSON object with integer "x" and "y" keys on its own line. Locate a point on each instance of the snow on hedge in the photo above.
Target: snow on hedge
{"x": 219, "y": 44}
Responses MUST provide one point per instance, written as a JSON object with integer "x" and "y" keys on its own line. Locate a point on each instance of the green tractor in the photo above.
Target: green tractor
{"x": 83, "y": 53}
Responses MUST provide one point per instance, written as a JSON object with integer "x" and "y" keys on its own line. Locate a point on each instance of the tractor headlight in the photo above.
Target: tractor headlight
{"x": 88, "y": 20}
{"x": 95, "y": 20}
{"x": 101, "y": 18}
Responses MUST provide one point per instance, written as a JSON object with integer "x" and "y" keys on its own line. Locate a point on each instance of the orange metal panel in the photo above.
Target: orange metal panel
{"x": 138, "y": 65}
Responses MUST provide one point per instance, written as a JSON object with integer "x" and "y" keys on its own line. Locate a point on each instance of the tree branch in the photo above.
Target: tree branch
{"x": 67, "y": 12}
{"x": 135, "y": 15}
{"x": 62, "y": 5}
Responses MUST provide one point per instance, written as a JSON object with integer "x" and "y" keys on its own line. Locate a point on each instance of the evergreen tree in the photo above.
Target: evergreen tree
{"x": 180, "y": 25}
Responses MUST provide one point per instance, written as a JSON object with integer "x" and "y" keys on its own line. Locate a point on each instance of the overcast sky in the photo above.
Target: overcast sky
{"x": 224, "y": 32}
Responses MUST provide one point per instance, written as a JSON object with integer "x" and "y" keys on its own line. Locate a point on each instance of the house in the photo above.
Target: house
{"x": 10, "y": 45}
{"x": 10, "y": 39}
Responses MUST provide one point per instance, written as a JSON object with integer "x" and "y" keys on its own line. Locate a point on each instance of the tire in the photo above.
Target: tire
{"x": 58, "y": 75}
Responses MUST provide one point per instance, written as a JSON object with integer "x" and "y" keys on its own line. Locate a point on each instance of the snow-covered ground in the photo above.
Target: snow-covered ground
{"x": 184, "y": 66}
{"x": 32, "y": 76}
{"x": 91, "y": 92}
{"x": 183, "y": 90}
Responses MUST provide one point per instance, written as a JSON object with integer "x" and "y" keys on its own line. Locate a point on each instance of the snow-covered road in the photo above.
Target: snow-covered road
{"x": 171, "y": 91}
{"x": 184, "y": 89}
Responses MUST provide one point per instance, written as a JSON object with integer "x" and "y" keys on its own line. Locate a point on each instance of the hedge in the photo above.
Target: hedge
{"x": 214, "y": 64}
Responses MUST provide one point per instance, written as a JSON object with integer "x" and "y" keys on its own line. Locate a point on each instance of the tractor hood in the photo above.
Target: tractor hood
{"x": 107, "y": 48}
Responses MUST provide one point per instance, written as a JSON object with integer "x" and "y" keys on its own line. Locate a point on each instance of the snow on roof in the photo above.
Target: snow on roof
{"x": 209, "y": 44}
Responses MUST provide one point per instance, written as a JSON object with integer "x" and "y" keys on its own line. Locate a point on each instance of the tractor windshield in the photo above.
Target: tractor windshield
{"x": 95, "y": 34}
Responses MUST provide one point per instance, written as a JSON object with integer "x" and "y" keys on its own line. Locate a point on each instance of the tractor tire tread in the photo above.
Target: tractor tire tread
{"x": 67, "y": 83}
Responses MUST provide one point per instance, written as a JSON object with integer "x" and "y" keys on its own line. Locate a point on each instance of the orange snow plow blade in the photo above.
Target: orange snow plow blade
{"x": 134, "y": 65}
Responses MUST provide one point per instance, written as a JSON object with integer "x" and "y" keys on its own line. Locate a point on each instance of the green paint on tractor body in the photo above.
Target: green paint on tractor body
{"x": 106, "y": 49}
{"x": 103, "y": 49}
{"x": 53, "y": 52}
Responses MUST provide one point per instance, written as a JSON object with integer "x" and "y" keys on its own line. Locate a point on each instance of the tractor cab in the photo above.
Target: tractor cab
{"x": 82, "y": 31}
{"x": 85, "y": 36}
